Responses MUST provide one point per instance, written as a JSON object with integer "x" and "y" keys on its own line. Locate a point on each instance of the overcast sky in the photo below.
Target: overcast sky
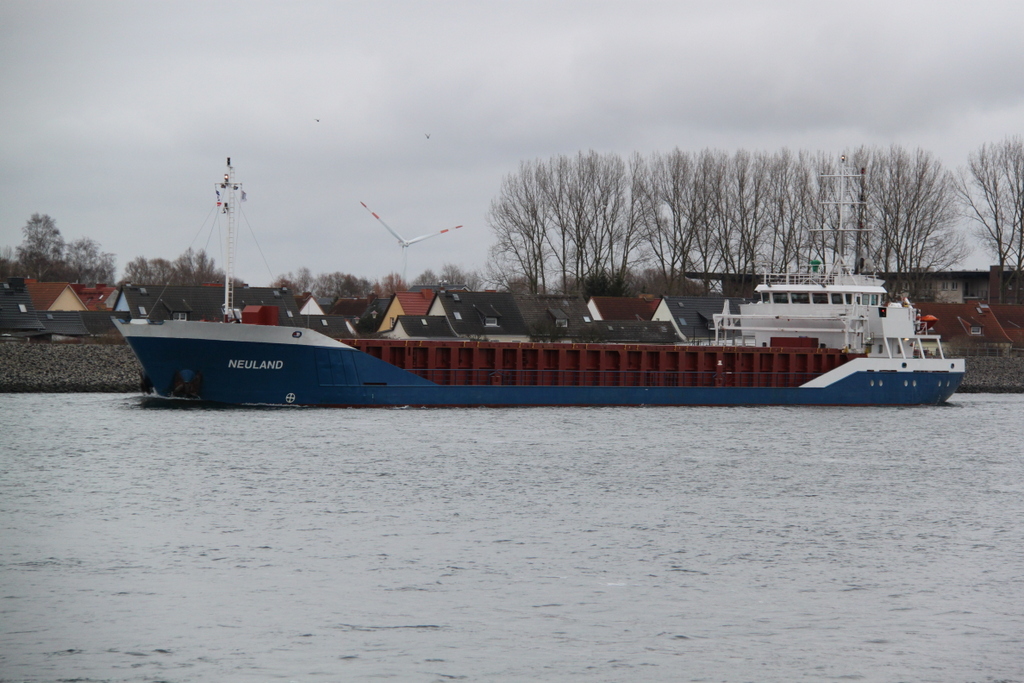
{"x": 116, "y": 117}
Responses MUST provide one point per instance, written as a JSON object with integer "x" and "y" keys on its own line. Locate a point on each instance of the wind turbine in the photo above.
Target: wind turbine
{"x": 404, "y": 242}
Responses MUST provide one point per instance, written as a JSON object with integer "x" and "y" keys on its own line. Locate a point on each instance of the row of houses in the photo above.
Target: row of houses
{"x": 44, "y": 311}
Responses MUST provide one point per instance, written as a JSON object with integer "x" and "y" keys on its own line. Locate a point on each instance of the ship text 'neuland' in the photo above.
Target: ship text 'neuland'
{"x": 256, "y": 364}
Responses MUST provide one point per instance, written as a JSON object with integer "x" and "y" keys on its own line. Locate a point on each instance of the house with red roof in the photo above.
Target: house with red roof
{"x": 623, "y": 307}
{"x": 53, "y": 296}
{"x": 1011, "y": 319}
{"x": 970, "y": 329}
{"x": 405, "y": 303}
{"x": 98, "y": 298}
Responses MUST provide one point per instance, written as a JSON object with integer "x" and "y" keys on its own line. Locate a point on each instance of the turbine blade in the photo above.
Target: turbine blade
{"x": 401, "y": 240}
{"x": 433, "y": 234}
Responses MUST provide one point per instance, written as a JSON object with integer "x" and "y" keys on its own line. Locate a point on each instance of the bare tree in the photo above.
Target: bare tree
{"x": 991, "y": 193}
{"x": 518, "y": 219}
{"x": 85, "y": 263}
{"x": 196, "y": 268}
{"x": 454, "y": 275}
{"x": 42, "y": 252}
{"x": 338, "y": 285}
{"x": 912, "y": 203}
{"x": 9, "y": 265}
{"x": 143, "y": 271}
{"x": 388, "y": 285}
{"x": 300, "y": 281}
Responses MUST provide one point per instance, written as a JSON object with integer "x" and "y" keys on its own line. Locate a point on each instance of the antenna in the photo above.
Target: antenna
{"x": 404, "y": 242}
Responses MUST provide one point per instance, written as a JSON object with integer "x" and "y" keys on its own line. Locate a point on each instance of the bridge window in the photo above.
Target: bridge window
{"x": 780, "y": 297}
{"x": 800, "y": 297}
{"x": 819, "y": 298}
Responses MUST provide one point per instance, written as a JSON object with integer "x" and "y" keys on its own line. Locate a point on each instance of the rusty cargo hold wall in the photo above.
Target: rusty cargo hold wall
{"x": 551, "y": 364}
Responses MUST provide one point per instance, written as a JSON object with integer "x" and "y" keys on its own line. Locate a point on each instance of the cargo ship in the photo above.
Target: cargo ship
{"x": 823, "y": 336}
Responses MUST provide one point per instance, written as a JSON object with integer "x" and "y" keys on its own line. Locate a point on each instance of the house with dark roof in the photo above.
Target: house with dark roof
{"x": 636, "y": 332}
{"x": 351, "y": 307}
{"x": 334, "y": 326}
{"x": 693, "y": 316}
{"x": 17, "y": 313}
{"x": 481, "y": 315}
{"x": 421, "y": 327}
{"x": 622, "y": 307}
{"x": 61, "y": 325}
{"x": 201, "y": 302}
{"x": 557, "y": 317}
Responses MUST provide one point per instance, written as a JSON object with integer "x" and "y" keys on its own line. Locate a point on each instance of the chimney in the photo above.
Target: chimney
{"x": 995, "y": 285}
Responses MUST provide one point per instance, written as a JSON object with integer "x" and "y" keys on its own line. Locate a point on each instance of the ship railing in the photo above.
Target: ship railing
{"x": 853, "y": 327}
{"x": 613, "y": 378}
{"x": 804, "y": 278}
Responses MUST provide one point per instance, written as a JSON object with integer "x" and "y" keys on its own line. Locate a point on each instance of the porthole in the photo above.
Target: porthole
{"x": 904, "y": 382}
{"x": 879, "y": 382}
{"x": 915, "y": 382}
{"x": 871, "y": 383}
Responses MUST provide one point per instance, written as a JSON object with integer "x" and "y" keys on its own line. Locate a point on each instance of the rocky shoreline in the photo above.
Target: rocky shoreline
{"x": 73, "y": 368}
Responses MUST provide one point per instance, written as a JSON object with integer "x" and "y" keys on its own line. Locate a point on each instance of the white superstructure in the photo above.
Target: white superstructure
{"x": 834, "y": 307}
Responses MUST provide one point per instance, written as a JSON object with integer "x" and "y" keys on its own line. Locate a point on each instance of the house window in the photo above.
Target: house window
{"x": 561, "y": 322}
{"x": 323, "y": 322}
{"x": 945, "y": 286}
{"x": 490, "y": 321}
{"x": 954, "y": 285}
{"x": 586, "y": 318}
{"x": 290, "y": 314}
{"x": 142, "y": 310}
{"x": 180, "y": 315}
{"x": 976, "y": 329}
{"x": 23, "y": 308}
{"x": 458, "y": 316}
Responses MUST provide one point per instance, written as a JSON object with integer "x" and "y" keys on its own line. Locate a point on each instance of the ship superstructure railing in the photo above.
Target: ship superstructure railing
{"x": 852, "y": 323}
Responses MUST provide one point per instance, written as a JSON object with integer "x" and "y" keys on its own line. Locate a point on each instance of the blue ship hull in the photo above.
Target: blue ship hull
{"x": 248, "y": 364}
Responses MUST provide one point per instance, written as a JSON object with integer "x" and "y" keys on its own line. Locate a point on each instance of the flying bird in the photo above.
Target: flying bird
{"x": 428, "y": 135}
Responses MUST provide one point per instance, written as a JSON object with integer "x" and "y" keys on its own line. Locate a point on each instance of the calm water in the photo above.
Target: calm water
{"x": 141, "y": 543}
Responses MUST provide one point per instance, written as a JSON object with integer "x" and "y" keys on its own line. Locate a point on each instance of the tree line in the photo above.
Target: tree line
{"x": 338, "y": 285}
{"x": 661, "y": 223}
{"x": 596, "y": 223}
{"x": 44, "y": 255}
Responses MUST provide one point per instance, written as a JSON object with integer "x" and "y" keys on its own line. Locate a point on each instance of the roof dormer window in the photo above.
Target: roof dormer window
{"x": 976, "y": 330}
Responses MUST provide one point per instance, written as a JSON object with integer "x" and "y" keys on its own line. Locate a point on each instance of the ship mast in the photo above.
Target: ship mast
{"x": 849, "y": 194}
{"x": 226, "y": 193}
